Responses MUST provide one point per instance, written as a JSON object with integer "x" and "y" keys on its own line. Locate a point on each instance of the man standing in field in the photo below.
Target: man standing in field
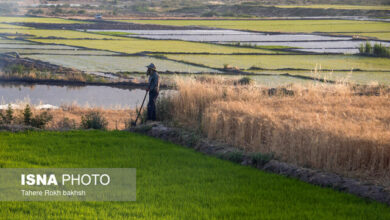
{"x": 154, "y": 88}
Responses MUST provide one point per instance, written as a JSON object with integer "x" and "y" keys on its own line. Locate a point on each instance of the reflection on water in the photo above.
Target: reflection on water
{"x": 223, "y": 35}
{"x": 91, "y": 96}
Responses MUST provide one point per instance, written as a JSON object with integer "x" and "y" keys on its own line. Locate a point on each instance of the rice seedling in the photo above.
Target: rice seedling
{"x": 274, "y": 62}
{"x": 293, "y": 26}
{"x": 347, "y": 7}
{"x": 41, "y": 33}
{"x": 173, "y": 182}
{"x": 38, "y": 20}
{"x": 133, "y": 45}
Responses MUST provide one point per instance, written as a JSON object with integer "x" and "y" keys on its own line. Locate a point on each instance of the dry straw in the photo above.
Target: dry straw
{"x": 338, "y": 128}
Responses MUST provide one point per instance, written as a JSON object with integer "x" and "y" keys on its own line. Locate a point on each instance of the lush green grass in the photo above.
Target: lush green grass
{"x": 112, "y": 33}
{"x": 381, "y": 36}
{"x": 37, "y": 20}
{"x": 303, "y": 26}
{"x": 173, "y": 182}
{"x": 335, "y": 62}
{"x": 347, "y": 7}
{"x": 10, "y": 26}
{"x": 134, "y": 45}
{"x": 57, "y": 34}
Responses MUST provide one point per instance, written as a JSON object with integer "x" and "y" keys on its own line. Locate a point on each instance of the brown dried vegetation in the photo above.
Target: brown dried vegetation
{"x": 338, "y": 128}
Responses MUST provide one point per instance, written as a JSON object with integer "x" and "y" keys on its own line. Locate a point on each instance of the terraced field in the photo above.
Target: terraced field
{"x": 274, "y": 62}
{"x": 349, "y": 27}
{"x": 347, "y": 7}
{"x": 56, "y": 34}
{"x": 114, "y": 64}
{"x": 38, "y": 20}
{"x": 134, "y": 45}
{"x": 93, "y": 51}
{"x": 173, "y": 182}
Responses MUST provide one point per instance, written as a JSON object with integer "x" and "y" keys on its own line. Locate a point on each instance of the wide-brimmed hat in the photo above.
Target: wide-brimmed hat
{"x": 151, "y": 66}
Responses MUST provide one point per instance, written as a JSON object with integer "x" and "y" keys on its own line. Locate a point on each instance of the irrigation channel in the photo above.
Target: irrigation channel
{"x": 84, "y": 96}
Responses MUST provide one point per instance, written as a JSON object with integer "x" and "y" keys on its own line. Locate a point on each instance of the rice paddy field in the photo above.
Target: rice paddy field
{"x": 37, "y": 20}
{"x": 347, "y": 27}
{"x": 274, "y": 62}
{"x": 348, "y": 7}
{"x": 134, "y": 45}
{"x": 220, "y": 47}
{"x": 173, "y": 182}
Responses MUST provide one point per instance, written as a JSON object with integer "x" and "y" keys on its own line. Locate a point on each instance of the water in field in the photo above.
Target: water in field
{"x": 117, "y": 64}
{"x": 71, "y": 52}
{"x": 358, "y": 77}
{"x": 223, "y": 35}
{"x": 342, "y": 46}
{"x": 89, "y": 96}
{"x": 36, "y": 46}
{"x": 305, "y": 42}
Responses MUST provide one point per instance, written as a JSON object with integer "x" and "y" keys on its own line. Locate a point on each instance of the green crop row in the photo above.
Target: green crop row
{"x": 332, "y": 62}
{"x": 173, "y": 182}
{"x": 134, "y": 45}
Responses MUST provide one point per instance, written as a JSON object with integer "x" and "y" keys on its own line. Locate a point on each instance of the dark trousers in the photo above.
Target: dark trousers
{"x": 152, "y": 105}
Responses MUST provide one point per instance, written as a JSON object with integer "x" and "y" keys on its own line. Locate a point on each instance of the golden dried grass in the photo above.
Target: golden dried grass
{"x": 116, "y": 118}
{"x": 328, "y": 127}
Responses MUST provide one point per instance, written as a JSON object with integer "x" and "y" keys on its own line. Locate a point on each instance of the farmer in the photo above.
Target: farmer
{"x": 154, "y": 88}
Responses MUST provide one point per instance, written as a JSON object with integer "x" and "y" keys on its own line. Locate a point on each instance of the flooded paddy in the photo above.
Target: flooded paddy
{"x": 72, "y": 52}
{"x": 88, "y": 96}
{"x": 36, "y": 46}
{"x": 118, "y": 64}
{"x": 362, "y": 78}
{"x": 305, "y": 42}
{"x": 337, "y": 46}
{"x": 222, "y": 35}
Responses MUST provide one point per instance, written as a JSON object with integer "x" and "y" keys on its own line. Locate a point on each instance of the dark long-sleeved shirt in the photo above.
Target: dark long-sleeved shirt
{"x": 154, "y": 82}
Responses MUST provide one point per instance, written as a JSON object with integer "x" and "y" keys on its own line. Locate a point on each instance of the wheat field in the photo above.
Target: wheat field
{"x": 338, "y": 128}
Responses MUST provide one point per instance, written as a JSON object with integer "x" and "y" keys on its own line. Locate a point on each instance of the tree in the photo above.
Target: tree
{"x": 27, "y": 114}
{"x": 9, "y": 115}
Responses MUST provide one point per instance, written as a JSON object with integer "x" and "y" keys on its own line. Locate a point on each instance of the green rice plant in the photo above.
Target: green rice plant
{"x": 61, "y": 34}
{"x": 337, "y": 6}
{"x": 134, "y": 45}
{"x": 349, "y": 27}
{"x": 38, "y": 20}
{"x": 173, "y": 182}
{"x": 112, "y": 33}
{"x": 284, "y": 62}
